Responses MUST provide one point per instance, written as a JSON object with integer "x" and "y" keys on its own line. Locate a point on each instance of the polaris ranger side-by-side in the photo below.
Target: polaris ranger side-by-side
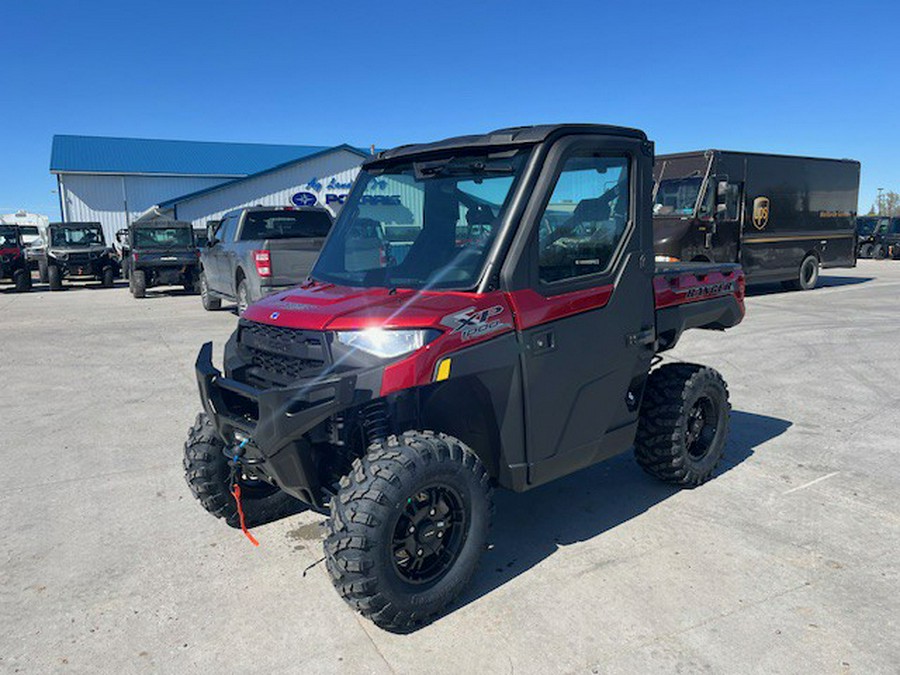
{"x": 780, "y": 217}
{"x": 75, "y": 250}
{"x": 507, "y": 341}
{"x": 13, "y": 265}
{"x": 161, "y": 253}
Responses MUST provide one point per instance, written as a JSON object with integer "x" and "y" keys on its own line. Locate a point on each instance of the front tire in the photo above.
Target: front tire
{"x": 138, "y": 283}
{"x": 878, "y": 252}
{"x": 207, "y": 474}
{"x": 407, "y": 528}
{"x": 683, "y": 423}
{"x": 42, "y": 271}
{"x": 209, "y": 302}
{"x": 108, "y": 278}
{"x": 22, "y": 280}
{"x": 54, "y": 277}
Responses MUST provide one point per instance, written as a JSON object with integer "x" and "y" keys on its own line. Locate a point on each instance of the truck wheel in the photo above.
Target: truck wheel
{"x": 407, "y": 528}
{"x": 209, "y": 303}
{"x": 807, "y": 277}
{"x": 42, "y": 271}
{"x": 138, "y": 283}
{"x": 22, "y": 280}
{"x": 207, "y": 472}
{"x": 54, "y": 277}
{"x": 683, "y": 423}
{"x": 109, "y": 277}
{"x": 878, "y": 252}
{"x": 243, "y": 296}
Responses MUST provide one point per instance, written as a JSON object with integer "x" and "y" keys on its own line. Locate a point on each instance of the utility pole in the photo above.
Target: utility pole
{"x": 880, "y": 202}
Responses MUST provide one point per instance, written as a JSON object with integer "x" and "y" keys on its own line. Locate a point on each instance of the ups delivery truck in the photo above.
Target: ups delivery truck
{"x": 780, "y": 217}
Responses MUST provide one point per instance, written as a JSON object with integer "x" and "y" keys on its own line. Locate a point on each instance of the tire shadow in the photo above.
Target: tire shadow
{"x": 529, "y": 527}
{"x": 825, "y": 281}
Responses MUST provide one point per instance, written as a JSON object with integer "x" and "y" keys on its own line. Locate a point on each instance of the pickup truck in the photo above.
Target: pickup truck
{"x": 255, "y": 251}
{"x": 516, "y": 339}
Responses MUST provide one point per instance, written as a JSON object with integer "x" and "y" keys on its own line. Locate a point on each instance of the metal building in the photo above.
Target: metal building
{"x": 115, "y": 180}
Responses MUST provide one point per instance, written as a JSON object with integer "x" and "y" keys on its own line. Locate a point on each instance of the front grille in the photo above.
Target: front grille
{"x": 279, "y": 355}
{"x": 79, "y": 258}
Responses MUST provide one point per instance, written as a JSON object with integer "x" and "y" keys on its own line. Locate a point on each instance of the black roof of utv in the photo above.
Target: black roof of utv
{"x": 512, "y": 136}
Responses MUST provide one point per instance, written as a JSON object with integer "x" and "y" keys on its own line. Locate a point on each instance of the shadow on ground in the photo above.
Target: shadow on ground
{"x": 825, "y": 281}
{"x": 532, "y": 526}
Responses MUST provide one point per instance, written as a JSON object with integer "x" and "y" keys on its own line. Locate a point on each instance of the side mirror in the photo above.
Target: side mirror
{"x": 722, "y": 189}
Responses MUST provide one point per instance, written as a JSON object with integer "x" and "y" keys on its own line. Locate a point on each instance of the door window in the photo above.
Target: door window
{"x": 225, "y": 232}
{"x": 585, "y": 221}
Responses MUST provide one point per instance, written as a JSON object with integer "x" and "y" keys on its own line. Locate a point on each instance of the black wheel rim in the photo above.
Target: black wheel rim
{"x": 429, "y": 534}
{"x": 702, "y": 424}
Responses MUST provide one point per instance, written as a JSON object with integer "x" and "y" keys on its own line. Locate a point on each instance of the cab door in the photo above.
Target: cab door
{"x": 585, "y": 318}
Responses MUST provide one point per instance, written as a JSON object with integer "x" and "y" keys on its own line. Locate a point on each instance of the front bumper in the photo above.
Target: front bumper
{"x": 275, "y": 421}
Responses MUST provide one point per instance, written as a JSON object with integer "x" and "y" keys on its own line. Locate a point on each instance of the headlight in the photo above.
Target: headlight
{"x": 59, "y": 255}
{"x": 666, "y": 259}
{"x": 385, "y": 343}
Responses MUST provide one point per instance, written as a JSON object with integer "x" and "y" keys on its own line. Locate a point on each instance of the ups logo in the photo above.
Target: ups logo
{"x": 760, "y": 212}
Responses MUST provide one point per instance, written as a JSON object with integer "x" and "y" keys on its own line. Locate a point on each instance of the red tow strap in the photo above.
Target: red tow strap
{"x": 236, "y": 493}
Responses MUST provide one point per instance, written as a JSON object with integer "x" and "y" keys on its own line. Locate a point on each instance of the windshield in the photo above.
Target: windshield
{"x": 866, "y": 226}
{"x": 8, "y": 238}
{"x": 677, "y": 197}
{"x": 29, "y": 230}
{"x": 425, "y": 224}
{"x": 86, "y": 235}
{"x": 285, "y": 225}
{"x": 163, "y": 237}
{"x": 895, "y": 226}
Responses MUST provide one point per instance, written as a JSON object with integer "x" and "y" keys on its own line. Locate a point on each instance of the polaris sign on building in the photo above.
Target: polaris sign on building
{"x": 116, "y": 181}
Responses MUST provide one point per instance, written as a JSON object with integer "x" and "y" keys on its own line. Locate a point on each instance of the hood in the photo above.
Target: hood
{"x": 321, "y": 306}
{"x": 96, "y": 248}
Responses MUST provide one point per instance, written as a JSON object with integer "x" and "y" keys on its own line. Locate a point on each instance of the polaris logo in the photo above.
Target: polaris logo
{"x": 274, "y": 315}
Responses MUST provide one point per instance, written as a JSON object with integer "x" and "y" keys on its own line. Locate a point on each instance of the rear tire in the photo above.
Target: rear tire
{"x": 54, "y": 277}
{"x": 22, "y": 280}
{"x": 209, "y": 303}
{"x": 42, "y": 271}
{"x": 243, "y": 296}
{"x": 683, "y": 424}
{"x": 138, "y": 283}
{"x": 207, "y": 472}
{"x": 807, "y": 275}
{"x": 407, "y": 528}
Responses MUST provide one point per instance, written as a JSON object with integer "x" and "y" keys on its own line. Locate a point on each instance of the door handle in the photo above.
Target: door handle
{"x": 542, "y": 342}
{"x": 646, "y": 336}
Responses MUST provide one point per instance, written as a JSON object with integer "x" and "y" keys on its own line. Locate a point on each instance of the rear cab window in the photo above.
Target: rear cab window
{"x": 260, "y": 225}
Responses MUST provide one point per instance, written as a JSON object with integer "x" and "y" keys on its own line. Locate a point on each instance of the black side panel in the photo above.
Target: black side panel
{"x": 481, "y": 404}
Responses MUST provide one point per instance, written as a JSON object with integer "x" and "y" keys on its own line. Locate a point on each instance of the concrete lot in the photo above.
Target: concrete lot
{"x": 787, "y": 562}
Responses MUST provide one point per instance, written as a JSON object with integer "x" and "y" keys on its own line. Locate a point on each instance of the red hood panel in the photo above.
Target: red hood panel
{"x": 318, "y": 306}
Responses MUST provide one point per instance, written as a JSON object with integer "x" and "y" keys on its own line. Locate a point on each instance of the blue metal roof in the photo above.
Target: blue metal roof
{"x": 99, "y": 154}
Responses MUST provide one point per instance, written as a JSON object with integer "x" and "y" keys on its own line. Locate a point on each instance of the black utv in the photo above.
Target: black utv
{"x": 161, "y": 253}
{"x": 13, "y": 265}
{"x": 76, "y": 250}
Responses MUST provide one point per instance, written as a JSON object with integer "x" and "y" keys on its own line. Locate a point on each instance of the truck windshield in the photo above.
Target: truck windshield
{"x": 422, "y": 224}
{"x": 285, "y": 225}
{"x": 168, "y": 237}
{"x": 866, "y": 226}
{"x": 88, "y": 235}
{"x": 8, "y": 238}
{"x": 677, "y": 197}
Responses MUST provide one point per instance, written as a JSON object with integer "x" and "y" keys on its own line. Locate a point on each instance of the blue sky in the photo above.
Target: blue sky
{"x": 804, "y": 77}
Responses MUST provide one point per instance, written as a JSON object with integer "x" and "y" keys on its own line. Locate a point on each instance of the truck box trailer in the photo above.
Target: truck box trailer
{"x": 781, "y": 217}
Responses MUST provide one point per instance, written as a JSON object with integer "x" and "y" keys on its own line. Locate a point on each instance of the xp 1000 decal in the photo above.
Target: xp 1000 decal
{"x": 472, "y": 323}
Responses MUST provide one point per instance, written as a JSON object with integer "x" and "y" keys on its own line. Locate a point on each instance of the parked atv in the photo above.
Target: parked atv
{"x": 13, "y": 265}
{"x": 162, "y": 253}
{"x": 75, "y": 250}
{"x": 513, "y": 342}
